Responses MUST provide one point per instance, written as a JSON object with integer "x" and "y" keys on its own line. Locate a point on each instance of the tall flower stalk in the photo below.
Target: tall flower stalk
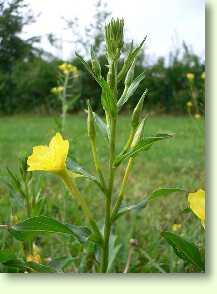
{"x": 54, "y": 157}
{"x": 67, "y": 91}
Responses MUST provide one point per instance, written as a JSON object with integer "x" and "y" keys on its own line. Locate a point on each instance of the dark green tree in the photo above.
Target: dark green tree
{"x": 14, "y": 16}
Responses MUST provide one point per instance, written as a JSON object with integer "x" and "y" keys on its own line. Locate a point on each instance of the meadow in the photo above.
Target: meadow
{"x": 177, "y": 162}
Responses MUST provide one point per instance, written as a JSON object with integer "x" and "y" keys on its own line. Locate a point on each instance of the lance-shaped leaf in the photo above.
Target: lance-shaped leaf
{"x": 88, "y": 68}
{"x": 159, "y": 193}
{"x": 43, "y": 224}
{"x": 185, "y": 250}
{"x": 138, "y": 206}
{"x": 133, "y": 53}
{"x": 131, "y": 90}
{"x": 143, "y": 145}
{"x": 114, "y": 249}
{"x": 78, "y": 170}
{"x": 162, "y": 192}
{"x": 108, "y": 99}
{"x": 101, "y": 125}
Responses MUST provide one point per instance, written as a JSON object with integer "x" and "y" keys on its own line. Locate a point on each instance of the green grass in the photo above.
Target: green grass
{"x": 177, "y": 162}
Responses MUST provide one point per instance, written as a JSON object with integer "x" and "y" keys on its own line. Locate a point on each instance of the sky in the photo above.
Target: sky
{"x": 166, "y": 22}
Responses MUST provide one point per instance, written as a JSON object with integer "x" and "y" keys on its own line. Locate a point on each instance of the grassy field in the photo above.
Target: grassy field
{"x": 177, "y": 162}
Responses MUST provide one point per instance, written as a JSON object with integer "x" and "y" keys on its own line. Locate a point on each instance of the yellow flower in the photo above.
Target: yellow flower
{"x": 197, "y": 116}
{"x": 34, "y": 258}
{"x": 189, "y": 104}
{"x": 49, "y": 158}
{"x": 190, "y": 76}
{"x": 176, "y": 227}
{"x": 67, "y": 68}
{"x": 196, "y": 202}
{"x": 203, "y": 75}
{"x": 57, "y": 90}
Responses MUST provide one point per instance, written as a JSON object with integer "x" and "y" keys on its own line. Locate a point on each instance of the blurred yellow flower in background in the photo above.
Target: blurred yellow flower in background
{"x": 57, "y": 90}
{"x": 196, "y": 202}
{"x": 189, "y": 104}
{"x": 203, "y": 76}
{"x": 190, "y": 76}
{"x": 49, "y": 158}
{"x": 176, "y": 227}
{"x": 67, "y": 68}
{"x": 34, "y": 258}
{"x": 197, "y": 116}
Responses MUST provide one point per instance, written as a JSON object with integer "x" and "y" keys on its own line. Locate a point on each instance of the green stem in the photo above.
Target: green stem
{"x": 29, "y": 213}
{"x": 68, "y": 181}
{"x": 64, "y": 103}
{"x": 97, "y": 165}
{"x": 107, "y": 226}
{"x": 122, "y": 189}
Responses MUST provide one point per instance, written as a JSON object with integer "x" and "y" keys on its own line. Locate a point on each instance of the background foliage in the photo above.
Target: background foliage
{"x": 27, "y": 74}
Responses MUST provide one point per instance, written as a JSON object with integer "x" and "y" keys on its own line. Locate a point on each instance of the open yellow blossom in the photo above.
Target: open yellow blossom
{"x": 190, "y": 76}
{"x": 57, "y": 90}
{"x": 176, "y": 227}
{"x": 67, "y": 68}
{"x": 196, "y": 202}
{"x": 197, "y": 116}
{"x": 203, "y": 75}
{"x": 34, "y": 258}
{"x": 189, "y": 104}
{"x": 49, "y": 158}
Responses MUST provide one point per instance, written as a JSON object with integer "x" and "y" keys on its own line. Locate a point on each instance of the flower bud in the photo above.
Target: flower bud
{"x": 139, "y": 132}
{"x": 114, "y": 38}
{"x": 137, "y": 111}
{"x": 130, "y": 74}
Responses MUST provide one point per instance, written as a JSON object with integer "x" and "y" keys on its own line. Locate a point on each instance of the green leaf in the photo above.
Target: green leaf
{"x": 79, "y": 170}
{"x": 162, "y": 192}
{"x": 17, "y": 263}
{"x": 143, "y": 145}
{"x": 101, "y": 125}
{"x": 114, "y": 249}
{"x": 88, "y": 68}
{"x": 131, "y": 57}
{"x": 43, "y": 224}
{"x": 108, "y": 99}
{"x": 185, "y": 250}
{"x": 131, "y": 90}
{"x": 6, "y": 255}
{"x": 138, "y": 206}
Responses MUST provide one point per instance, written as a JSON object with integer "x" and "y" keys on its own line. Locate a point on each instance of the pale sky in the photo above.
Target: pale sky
{"x": 166, "y": 22}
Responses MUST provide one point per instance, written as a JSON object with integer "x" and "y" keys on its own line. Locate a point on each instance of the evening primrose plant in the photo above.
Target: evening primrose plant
{"x": 100, "y": 235}
{"x": 67, "y": 91}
